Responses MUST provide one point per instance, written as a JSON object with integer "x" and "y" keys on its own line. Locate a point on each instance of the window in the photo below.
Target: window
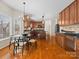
{"x": 17, "y": 28}
{"x": 4, "y": 26}
{"x": 17, "y": 25}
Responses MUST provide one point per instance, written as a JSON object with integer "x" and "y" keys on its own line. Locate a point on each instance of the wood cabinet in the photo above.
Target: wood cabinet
{"x": 70, "y": 15}
{"x": 60, "y": 40}
{"x": 60, "y": 18}
{"x": 77, "y": 48}
{"x": 63, "y": 18}
{"x": 75, "y": 12}
{"x": 67, "y": 20}
{"x": 78, "y": 10}
{"x": 67, "y": 42}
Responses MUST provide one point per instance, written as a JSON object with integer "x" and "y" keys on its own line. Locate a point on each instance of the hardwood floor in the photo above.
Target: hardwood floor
{"x": 45, "y": 50}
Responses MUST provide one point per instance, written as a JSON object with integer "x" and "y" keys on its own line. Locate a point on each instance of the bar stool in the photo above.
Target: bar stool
{"x": 33, "y": 43}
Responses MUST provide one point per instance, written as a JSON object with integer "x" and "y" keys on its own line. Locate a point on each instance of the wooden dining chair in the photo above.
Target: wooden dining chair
{"x": 19, "y": 44}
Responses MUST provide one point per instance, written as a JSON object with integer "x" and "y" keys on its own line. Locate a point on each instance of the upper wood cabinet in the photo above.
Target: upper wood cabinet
{"x": 77, "y": 10}
{"x": 70, "y": 15}
{"x": 63, "y": 18}
{"x": 60, "y": 19}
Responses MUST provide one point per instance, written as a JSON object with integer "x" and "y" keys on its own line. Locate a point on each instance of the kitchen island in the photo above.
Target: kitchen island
{"x": 39, "y": 34}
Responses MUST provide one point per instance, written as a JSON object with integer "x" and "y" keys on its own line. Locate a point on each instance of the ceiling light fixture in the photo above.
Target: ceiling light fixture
{"x": 43, "y": 20}
{"x": 24, "y": 3}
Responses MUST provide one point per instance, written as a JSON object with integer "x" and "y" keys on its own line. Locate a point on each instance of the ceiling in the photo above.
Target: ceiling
{"x": 37, "y": 8}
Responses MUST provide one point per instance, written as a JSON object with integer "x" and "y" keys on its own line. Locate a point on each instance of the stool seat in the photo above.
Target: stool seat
{"x": 32, "y": 40}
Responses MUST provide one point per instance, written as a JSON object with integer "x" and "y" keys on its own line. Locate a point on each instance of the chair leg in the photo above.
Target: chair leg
{"x": 27, "y": 46}
{"x": 35, "y": 44}
{"x": 22, "y": 49}
{"x": 15, "y": 50}
{"x": 9, "y": 45}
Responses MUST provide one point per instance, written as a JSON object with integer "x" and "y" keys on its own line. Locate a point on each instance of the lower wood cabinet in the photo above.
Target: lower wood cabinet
{"x": 60, "y": 40}
{"x": 66, "y": 42}
{"x": 77, "y": 49}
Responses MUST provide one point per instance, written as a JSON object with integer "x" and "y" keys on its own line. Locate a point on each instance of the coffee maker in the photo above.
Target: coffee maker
{"x": 57, "y": 28}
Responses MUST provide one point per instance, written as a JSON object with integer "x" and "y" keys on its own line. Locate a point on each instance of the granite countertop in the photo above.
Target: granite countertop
{"x": 74, "y": 35}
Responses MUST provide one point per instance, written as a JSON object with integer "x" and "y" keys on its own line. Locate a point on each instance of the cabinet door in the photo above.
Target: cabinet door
{"x": 60, "y": 18}
{"x": 78, "y": 11}
{"x": 72, "y": 12}
{"x": 67, "y": 20}
{"x": 63, "y": 18}
{"x": 75, "y": 11}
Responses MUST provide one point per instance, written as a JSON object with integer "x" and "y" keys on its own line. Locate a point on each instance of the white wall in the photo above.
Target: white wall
{"x": 50, "y": 25}
{"x": 4, "y": 42}
{"x": 53, "y": 24}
